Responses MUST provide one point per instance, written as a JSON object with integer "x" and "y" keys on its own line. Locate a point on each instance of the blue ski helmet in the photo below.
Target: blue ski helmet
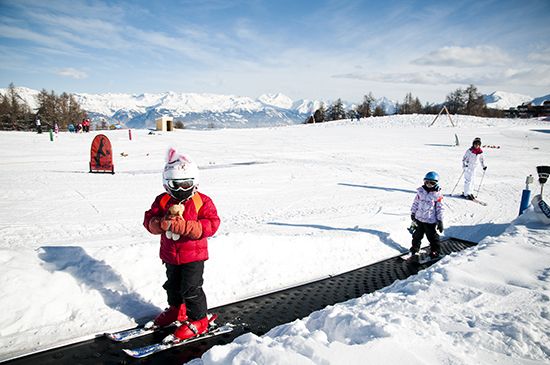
{"x": 432, "y": 176}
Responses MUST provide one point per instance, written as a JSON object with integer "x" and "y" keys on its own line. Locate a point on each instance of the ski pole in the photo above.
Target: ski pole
{"x": 481, "y": 182}
{"x": 457, "y": 182}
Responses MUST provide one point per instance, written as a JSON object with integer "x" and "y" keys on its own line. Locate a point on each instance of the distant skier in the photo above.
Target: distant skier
{"x": 38, "y": 125}
{"x": 185, "y": 252}
{"x": 469, "y": 163}
{"x": 427, "y": 213}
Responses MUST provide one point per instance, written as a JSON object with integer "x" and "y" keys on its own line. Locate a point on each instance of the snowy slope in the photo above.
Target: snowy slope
{"x": 297, "y": 203}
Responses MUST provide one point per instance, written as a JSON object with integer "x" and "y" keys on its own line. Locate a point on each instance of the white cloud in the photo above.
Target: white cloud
{"x": 72, "y": 73}
{"x": 542, "y": 56}
{"x": 464, "y": 57}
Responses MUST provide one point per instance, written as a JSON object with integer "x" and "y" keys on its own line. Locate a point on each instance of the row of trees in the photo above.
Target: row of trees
{"x": 16, "y": 114}
{"x": 460, "y": 101}
{"x": 337, "y": 111}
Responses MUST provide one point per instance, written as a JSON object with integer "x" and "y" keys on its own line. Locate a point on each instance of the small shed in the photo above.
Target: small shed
{"x": 165, "y": 124}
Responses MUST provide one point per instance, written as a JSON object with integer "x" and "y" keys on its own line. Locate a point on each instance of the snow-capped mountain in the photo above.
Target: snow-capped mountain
{"x": 193, "y": 109}
{"x": 540, "y": 100}
{"x": 224, "y": 111}
{"x": 389, "y": 106}
{"x": 504, "y": 100}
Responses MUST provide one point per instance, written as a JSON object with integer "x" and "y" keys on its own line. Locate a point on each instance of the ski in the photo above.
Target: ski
{"x": 425, "y": 258}
{"x": 420, "y": 258}
{"x": 475, "y": 200}
{"x": 170, "y": 342}
{"x": 126, "y": 335}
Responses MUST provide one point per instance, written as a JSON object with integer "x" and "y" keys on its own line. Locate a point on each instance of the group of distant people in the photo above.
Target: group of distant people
{"x": 83, "y": 126}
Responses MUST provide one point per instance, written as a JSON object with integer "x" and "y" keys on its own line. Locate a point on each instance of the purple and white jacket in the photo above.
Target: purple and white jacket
{"x": 427, "y": 206}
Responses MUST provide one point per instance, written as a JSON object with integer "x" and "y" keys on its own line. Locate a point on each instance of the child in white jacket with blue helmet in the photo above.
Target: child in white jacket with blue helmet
{"x": 427, "y": 213}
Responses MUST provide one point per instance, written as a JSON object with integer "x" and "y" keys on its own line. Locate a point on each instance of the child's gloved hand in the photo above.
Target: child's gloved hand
{"x": 178, "y": 225}
{"x": 165, "y": 223}
{"x": 193, "y": 230}
{"x": 154, "y": 226}
{"x": 440, "y": 226}
{"x": 413, "y": 217}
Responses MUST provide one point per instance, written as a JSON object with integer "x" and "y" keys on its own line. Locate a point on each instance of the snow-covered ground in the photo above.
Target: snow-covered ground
{"x": 297, "y": 203}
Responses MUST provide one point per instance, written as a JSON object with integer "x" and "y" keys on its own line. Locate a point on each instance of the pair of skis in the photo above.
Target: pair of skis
{"x": 475, "y": 200}
{"x": 421, "y": 257}
{"x": 168, "y": 342}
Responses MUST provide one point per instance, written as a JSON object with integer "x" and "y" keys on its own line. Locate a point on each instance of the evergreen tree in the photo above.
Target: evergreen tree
{"x": 15, "y": 114}
{"x": 336, "y": 111}
{"x": 366, "y": 107}
{"x": 410, "y": 105}
{"x": 431, "y": 109}
{"x": 416, "y": 106}
{"x": 379, "y": 111}
{"x": 62, "y": 109}
{"x": 320, "y": 114}
{"x": 456, "y": 101}
{"x": 475, "y": 104}
{"x": 47, "y": 107}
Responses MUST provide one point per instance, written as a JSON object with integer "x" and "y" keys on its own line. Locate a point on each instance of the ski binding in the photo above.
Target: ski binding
{"x": 127, "y": 335}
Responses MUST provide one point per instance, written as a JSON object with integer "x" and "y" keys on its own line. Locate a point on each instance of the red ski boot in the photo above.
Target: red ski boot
{"x": 170, "y": 315}
{"x": 190, "y": 329}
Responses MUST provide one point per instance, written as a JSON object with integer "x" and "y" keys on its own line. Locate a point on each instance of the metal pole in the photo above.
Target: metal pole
{"x": 457, "y": 182}
{"x": 482, "y": 176}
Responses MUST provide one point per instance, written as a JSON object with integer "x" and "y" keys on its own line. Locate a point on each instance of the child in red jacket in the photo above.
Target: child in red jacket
{"x": 183, "y": 244}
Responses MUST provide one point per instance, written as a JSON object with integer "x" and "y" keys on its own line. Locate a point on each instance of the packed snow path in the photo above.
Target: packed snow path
{"x": 257, "y": 315}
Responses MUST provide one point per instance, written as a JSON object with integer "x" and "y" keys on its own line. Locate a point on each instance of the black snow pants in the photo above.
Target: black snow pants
{"x": 431, "y": 233}
{"x": 184, "y": 285}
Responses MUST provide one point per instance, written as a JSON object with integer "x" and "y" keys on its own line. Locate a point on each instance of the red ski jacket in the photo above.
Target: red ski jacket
{"x": 184, "y": 250}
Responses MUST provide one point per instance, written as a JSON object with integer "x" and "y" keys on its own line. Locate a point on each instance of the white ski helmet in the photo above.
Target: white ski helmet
{"x": 180, "y": 177}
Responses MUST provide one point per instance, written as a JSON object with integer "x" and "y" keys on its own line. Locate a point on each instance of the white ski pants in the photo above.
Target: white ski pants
{"x": 469, "y": 180}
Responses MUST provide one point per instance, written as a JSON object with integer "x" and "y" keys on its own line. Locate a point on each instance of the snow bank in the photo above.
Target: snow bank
{"x": 489, "y": 304}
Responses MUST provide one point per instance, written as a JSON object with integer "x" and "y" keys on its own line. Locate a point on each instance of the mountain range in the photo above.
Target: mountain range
{"x": 201, "y": 111}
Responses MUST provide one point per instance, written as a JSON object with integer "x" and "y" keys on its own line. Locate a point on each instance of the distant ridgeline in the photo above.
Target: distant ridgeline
{"x": 203, "y": 111}
{"x": 202, "y": 120}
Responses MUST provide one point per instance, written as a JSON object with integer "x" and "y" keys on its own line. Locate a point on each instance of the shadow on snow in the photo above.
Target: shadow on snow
{"x": 378, "y": 188}
{"x": 383, "y": 236}
{"x": 440, "y": 145}
{"x": 478, "y": 232}
{"x": 96, "y": 275}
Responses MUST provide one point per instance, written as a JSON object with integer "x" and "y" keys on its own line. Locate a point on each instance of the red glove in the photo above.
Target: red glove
{"x": 166, "y": 223}
{"x": 178, "y": 225}
{"x": 193, "y": 230}
{"x": 155, "y": 226}
{"x": 188, "y": 229}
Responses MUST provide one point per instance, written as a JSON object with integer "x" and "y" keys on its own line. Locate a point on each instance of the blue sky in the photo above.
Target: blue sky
{"x": 303, "y": 49}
